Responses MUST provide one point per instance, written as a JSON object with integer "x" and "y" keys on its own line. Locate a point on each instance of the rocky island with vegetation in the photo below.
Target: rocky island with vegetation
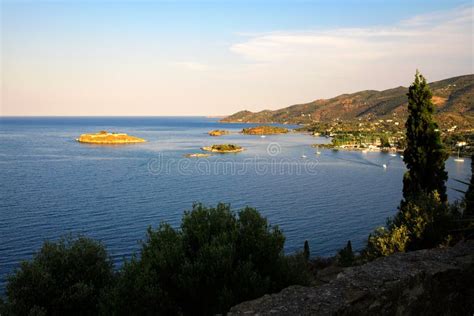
{"x": 264, "y": 130}
{"x": 106, "y": 138}
{"x": 223, "y": 148}
{"x": 218, "y": 132}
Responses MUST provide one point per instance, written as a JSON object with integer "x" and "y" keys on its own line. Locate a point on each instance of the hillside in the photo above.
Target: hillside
{"x": 453, "y": 98}
{"x": 425, "y": 282}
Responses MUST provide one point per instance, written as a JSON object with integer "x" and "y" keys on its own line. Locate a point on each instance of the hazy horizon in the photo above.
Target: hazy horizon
{"x": 191, "y": 58}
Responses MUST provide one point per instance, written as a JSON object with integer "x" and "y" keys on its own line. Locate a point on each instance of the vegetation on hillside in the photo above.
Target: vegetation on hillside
{"x": 452, "y": 98}
{"x": 264, "y": 130}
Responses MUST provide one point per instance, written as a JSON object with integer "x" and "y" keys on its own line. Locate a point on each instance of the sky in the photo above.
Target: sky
{"x": 139, "y": 58}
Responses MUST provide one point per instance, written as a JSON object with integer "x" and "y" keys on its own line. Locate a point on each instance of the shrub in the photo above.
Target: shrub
{"x": 64, "y": 277}
{"x": 345, "y": 256}
{"x": 424, "y": 222}
{"x": 214, "y": 261}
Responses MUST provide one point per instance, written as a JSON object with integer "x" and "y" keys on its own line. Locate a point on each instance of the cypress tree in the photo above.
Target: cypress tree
{"x": 306, "y": 252}
{"x": 424, "y": 155}
{"x": 346, "y": 255}
{"x": 469, "y": 197}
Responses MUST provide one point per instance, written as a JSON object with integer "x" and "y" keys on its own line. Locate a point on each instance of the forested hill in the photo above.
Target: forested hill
{"x": 453, "y": 98}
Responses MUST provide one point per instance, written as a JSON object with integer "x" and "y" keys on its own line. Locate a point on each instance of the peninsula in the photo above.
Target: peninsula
{"x": 224, "y": 148}
{"x": 264, "y": 130}
{"x": 106, "y": 138}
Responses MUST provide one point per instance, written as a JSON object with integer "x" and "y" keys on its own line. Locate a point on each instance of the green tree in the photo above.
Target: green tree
{"x": 424, "y": 155}
{"x": 469, "y": 197}
{"x": 384, "y": 142}
{"x": 306, "y": 252}
{"x": 64, "y": 277}
{"x": 215, "y": 260}
{"x": 345, "y": 256}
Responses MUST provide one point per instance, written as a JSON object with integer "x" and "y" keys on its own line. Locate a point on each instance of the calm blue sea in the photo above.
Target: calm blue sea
{"x": 52, "y": 185}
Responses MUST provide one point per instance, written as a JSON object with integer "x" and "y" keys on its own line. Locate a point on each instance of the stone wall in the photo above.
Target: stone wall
{"x": 425, "y": 282}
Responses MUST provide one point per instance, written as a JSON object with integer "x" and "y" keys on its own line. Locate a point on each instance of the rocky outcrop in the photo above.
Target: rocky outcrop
{"x": 425, "y": 282}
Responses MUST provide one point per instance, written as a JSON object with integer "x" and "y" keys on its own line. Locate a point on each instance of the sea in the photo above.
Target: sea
{"x": 51, "y": 185}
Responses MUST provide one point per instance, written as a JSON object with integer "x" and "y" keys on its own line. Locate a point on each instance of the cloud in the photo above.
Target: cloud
{"x": 190, "y": 65}
{"x": 421, "y": 41}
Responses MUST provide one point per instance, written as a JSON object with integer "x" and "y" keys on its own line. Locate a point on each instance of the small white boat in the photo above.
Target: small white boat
{"x": 263, "y": 136}
{"x": 384, "y": 166}
{"x": 303, "y": 156}
{"x": 393, "y": 155}
{"x": 317, "y": 151}
{"x": 401, "y": 156}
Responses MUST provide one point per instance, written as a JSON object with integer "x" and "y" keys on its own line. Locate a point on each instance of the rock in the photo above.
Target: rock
{"x": 425, "y": 282}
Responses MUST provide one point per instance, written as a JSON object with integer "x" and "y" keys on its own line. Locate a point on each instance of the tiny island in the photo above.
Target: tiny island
{"x": 197, "y": 155}
{"x": 223, "y": 148}
{"x": 264, "y": 130}
{"x": 106, "y": 138}
{"x": 218, "y": 132}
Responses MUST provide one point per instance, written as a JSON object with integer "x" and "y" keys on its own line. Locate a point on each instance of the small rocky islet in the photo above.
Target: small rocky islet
{"x": 106, "y": 138}
{"x": 223, "y": 148}
{"x": 218, "y": 132}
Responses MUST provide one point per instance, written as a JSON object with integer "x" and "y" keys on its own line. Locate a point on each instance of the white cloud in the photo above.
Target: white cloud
{"x": 191, "y": 65}
{"x": 440, "y": 44}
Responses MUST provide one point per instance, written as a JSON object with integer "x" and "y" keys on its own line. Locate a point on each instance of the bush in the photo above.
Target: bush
{"x": 216, "y": 260}
{"x": 422, "y": 223}
{"x": 64, "y": 277}
{"x": 345, "y": 256}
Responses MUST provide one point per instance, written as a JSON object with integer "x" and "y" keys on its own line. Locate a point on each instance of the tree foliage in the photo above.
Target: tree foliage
{"x": 217, "y": 259}
{"x": 424, "y": 222}
{"x": 64, "y": 277}
{"x": 469, "y": 197}
{"x": 384, "y": 141}
{"x": 345, "y": 256}
{"x": 424, "y": 218}
{"x": 306, "y": 251}
{"x": 424, "y": 155}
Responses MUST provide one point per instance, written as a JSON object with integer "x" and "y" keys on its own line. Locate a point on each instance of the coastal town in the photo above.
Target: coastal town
{"x": 383, "y": 135}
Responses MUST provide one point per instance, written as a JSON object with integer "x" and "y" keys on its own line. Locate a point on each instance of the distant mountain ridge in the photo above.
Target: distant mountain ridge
{"x": 453, "y": 98}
